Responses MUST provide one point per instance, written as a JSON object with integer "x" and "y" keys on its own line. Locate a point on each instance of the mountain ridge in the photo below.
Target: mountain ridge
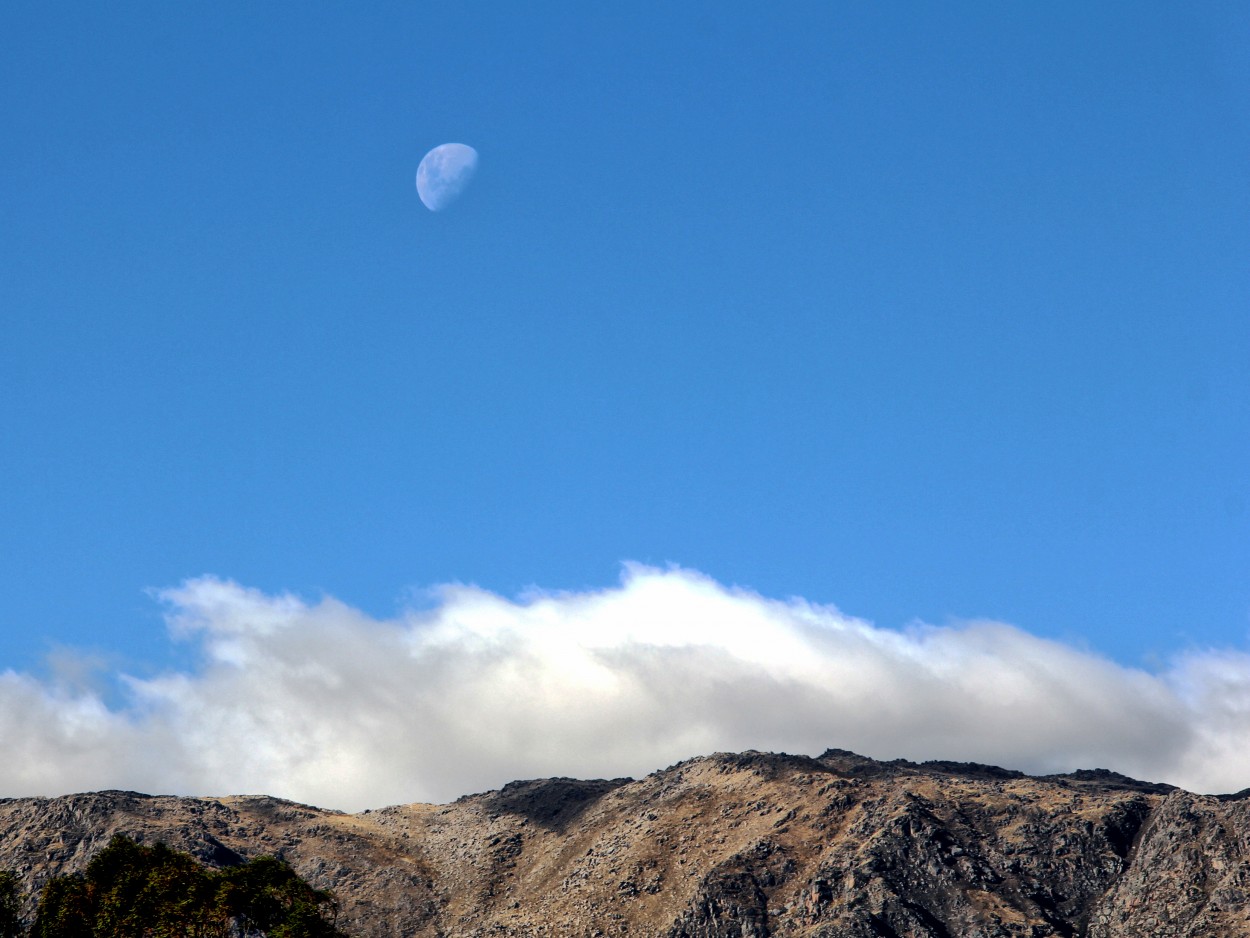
{"x": 730, "y": 845}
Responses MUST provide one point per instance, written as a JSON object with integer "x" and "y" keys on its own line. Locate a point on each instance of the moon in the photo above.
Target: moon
{"x": 443, "y": 174}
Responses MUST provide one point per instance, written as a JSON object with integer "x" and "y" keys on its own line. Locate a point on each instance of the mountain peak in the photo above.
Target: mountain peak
{"x": 727, "y": 845}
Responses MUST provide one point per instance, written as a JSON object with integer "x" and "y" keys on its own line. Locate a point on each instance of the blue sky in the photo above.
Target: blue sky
{"x": 931, "y": 314}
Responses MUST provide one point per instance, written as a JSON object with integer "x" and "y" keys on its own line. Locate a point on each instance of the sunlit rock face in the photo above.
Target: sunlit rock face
{"x": 725, "y": 846}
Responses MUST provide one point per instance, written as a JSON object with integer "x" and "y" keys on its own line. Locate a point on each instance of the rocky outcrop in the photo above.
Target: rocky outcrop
{"x": 726, "y": 846}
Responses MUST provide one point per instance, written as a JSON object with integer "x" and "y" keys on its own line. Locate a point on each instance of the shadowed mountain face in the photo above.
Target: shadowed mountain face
{"x": 726, "y": 846}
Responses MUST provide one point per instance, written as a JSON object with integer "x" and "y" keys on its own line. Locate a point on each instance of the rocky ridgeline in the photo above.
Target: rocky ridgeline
{"x": 727, "y": 846}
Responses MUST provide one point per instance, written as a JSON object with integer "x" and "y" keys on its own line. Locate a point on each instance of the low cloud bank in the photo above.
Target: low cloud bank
{"x": 319, "y": 702}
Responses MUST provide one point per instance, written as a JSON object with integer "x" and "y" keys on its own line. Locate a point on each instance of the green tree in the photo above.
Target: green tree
{"x": 64, "y": 909}
{"x": 10, "y": 905}
{"x": 151, "y": 892}
{"x": 266, "y": 897}
{"x": 134, "y": 891}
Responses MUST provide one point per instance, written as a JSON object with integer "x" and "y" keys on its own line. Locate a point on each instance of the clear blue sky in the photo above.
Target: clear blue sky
{"x": 926, "y": 313}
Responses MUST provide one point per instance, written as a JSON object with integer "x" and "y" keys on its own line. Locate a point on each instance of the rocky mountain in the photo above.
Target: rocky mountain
{"x": 726, "y": 846}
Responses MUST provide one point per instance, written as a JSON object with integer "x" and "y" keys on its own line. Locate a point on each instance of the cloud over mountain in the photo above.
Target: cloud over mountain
{"x": 319, "y": 702}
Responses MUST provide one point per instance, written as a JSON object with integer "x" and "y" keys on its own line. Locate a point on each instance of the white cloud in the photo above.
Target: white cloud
{"x": 321, "y": 703}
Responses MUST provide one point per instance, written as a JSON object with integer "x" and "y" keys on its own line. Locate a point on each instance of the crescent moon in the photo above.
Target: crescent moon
{"x": 443, "y": 174}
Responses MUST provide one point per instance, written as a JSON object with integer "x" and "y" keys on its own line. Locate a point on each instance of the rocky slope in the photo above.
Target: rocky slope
{"x": 726, "y": 846}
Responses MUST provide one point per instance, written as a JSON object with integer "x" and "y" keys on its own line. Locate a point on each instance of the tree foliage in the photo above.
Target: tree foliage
{"x": 10, "y": 905}
{"x": 130, "y": 890}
